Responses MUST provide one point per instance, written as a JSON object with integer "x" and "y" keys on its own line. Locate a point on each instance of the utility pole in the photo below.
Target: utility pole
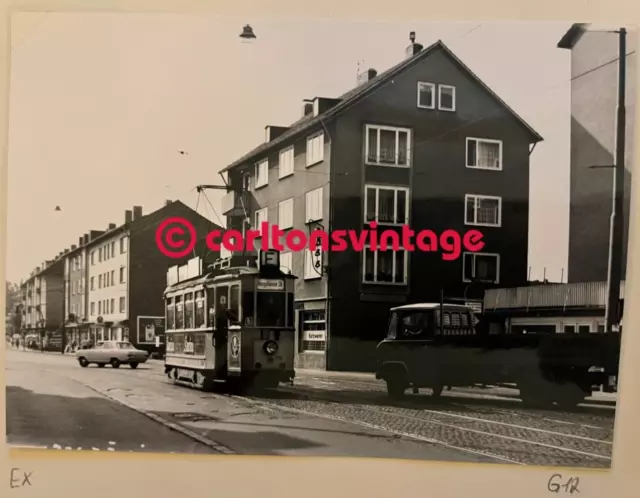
{"x": 616, "y": 228}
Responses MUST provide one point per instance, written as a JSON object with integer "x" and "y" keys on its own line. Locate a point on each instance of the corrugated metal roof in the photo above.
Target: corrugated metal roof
{"x": 576, "y": 295}
{"x": 355, "y": 94}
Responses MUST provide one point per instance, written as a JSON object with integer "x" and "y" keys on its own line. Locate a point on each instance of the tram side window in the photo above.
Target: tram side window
{"x": 248, "y": 305}
{"x": 234, "y": 303}
{"x": 179, "y": 313}
{"x": 188, "y": 310}
{"x": 199, "y": 318}
{"x": 171, "y": 313}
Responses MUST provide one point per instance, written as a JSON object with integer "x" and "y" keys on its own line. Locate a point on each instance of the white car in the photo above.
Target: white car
{"x": 114, "y": 353}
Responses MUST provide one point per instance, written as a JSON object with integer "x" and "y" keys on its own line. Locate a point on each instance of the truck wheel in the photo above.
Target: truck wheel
{"x": 396, "y": 387}
{"x": 115, "y": 363}
{"x": 569, "y": 395}
{"x": 83, "y": 362}
{"x": 436, "y": 391}
{"x": 133, "y": 365}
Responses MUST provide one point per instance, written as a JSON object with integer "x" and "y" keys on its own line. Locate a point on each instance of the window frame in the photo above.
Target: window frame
{"x": 310, "y": 159}
{"x": 396, "y": 189}
{"x": 284, "y": 151}
{"x": 307, "y": 217}
{"x": 476, "y": 198}
{"x": 257, "y": 170}
{"x": 479, "y": 140}
{"x": 313, "y": 274}
{"x": 474, "y": 254}
{"x": 420, "y": 86}
{"x": 255, "y": 218}
{"x": 375, "y": 268}
{"x": 397, "y": 130}
{"x": 453, "y": 97}
{"x": 286, "y": 202}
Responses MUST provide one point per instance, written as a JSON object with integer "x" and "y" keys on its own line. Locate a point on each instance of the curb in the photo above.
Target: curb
{"x": 171, "y": 425}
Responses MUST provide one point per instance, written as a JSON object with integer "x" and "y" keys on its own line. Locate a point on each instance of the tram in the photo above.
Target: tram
{"x": 233, "y": 325}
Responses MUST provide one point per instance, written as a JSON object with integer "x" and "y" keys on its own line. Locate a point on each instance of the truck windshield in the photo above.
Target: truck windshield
{"x": 417, "y": 323}
{"x": 270, "y": 309}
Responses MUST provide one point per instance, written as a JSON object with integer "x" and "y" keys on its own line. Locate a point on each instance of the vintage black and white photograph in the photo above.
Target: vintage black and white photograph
{"x": 197, "y": 215}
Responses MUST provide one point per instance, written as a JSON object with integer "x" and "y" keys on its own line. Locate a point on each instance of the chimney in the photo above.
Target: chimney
{"x": 111, "y": 226}
{"x": 307, "y": 107}
{"x": 74, "y": 247}
{"x": 367, "y": 75}
{"x": 128, "y": 216}
{"x": 322, "y": 104}
{"x": 137, "y": 212}
{"x": 85, "y": 239}
{"x": 272, "y": 132}
{"x": 94, "y": 234}
{"x": 167, "y": 202}
{"x": 414, "y": 48}
{"x": 65, "y": 251}
{"x": 80, "y": 240}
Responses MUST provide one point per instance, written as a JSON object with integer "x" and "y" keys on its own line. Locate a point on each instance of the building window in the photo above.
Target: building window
{"x": 483, "y": 153}
{"x": 262, "y": 173}
{"x": 261, "y": 217}
{"x": 312, "y": 264}
{"x": 285, "y": 214}
{"x": 93, "y": 257}
{"x": 113, "y": 305}
{"x": 99, "y": 307}
{"x": 313, "y": 326}
{"x": 122, "y": 274}
{"x": 386, "y": 205}
{"x": 315, "y": 149}
{"x": 113, "y": 249}
{"x": 123, "y": 245}
{"x": 482, "y": 267}
{"x": 123, "y": 307}
{"x": 483, "y": 210}
{"x": 100, "y": 255}
{"x": 569, "y": 329}
{"x": 426, "y": 95}
{"x": 285, "y": 164}
{"x": 112, "y": 278}
{"x": 93, "y": 309}
{"x": 385, "y": 267}
{"x": 286, "y": 262}
{"x": 447, "y": 98}
{"x": 313, "y": 205}
{"x": 387, "y": 146}
{"x": 200, "y": 314}
{"x": 99, "y": 281}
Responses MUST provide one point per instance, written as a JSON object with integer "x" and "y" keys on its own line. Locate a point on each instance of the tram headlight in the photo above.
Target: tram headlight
{"x": 270, "y": 347}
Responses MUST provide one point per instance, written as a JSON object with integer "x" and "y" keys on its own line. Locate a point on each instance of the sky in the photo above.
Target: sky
{"x": 100, "y": 105}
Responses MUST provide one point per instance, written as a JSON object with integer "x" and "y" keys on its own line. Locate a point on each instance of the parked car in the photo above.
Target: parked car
{"x": 114, "y": 353}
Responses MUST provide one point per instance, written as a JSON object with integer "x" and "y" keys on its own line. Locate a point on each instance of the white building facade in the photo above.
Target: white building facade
{"x": 108, "y": 287}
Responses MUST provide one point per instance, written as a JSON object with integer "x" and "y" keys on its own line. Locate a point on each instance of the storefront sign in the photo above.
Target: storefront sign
{"x": 270, "y": 285}
{"x": 314, "y": 335}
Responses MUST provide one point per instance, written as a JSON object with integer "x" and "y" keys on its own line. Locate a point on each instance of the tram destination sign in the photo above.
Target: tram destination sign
{"x": 269, "y": 259}
{"x": 270, "y": 284}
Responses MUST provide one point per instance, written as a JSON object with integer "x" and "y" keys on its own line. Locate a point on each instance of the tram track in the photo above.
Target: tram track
{"x": 520, "y": 437}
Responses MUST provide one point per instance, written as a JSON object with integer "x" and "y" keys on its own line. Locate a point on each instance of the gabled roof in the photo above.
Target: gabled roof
{"x": 356, "y": 94}
{"x": 573, "y": 34}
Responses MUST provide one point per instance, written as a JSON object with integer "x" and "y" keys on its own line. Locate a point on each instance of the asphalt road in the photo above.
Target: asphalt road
{"x": 52, "y": 401}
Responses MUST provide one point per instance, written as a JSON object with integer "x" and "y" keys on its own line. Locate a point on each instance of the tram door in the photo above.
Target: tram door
{"x": 221, "y": 328}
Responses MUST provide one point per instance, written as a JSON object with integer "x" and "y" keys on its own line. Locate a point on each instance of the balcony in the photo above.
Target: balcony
{"x": 232, "y": 204}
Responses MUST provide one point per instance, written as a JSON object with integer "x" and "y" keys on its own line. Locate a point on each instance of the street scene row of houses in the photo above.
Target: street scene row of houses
{"x": 425, "y": 143}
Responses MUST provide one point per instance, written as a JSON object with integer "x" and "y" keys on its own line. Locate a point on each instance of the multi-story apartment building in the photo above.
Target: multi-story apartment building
{"x": 594, "y": 89}
{"x": 126, "y": 273}
{"x": 42, "y": 295}
{"x": 425, "y": 143}
{"x": 75, "y": 295}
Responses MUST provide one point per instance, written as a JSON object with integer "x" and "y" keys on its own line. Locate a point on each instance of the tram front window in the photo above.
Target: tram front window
{"x": 271, "y": 309}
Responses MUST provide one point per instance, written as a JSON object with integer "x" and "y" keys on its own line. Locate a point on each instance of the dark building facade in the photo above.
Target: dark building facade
{"x": 424, "y": 144}
{"x": 594, "y": 88}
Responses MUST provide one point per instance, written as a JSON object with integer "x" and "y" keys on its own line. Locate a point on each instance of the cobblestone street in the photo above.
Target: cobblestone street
{"x": 322, "y": 415}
